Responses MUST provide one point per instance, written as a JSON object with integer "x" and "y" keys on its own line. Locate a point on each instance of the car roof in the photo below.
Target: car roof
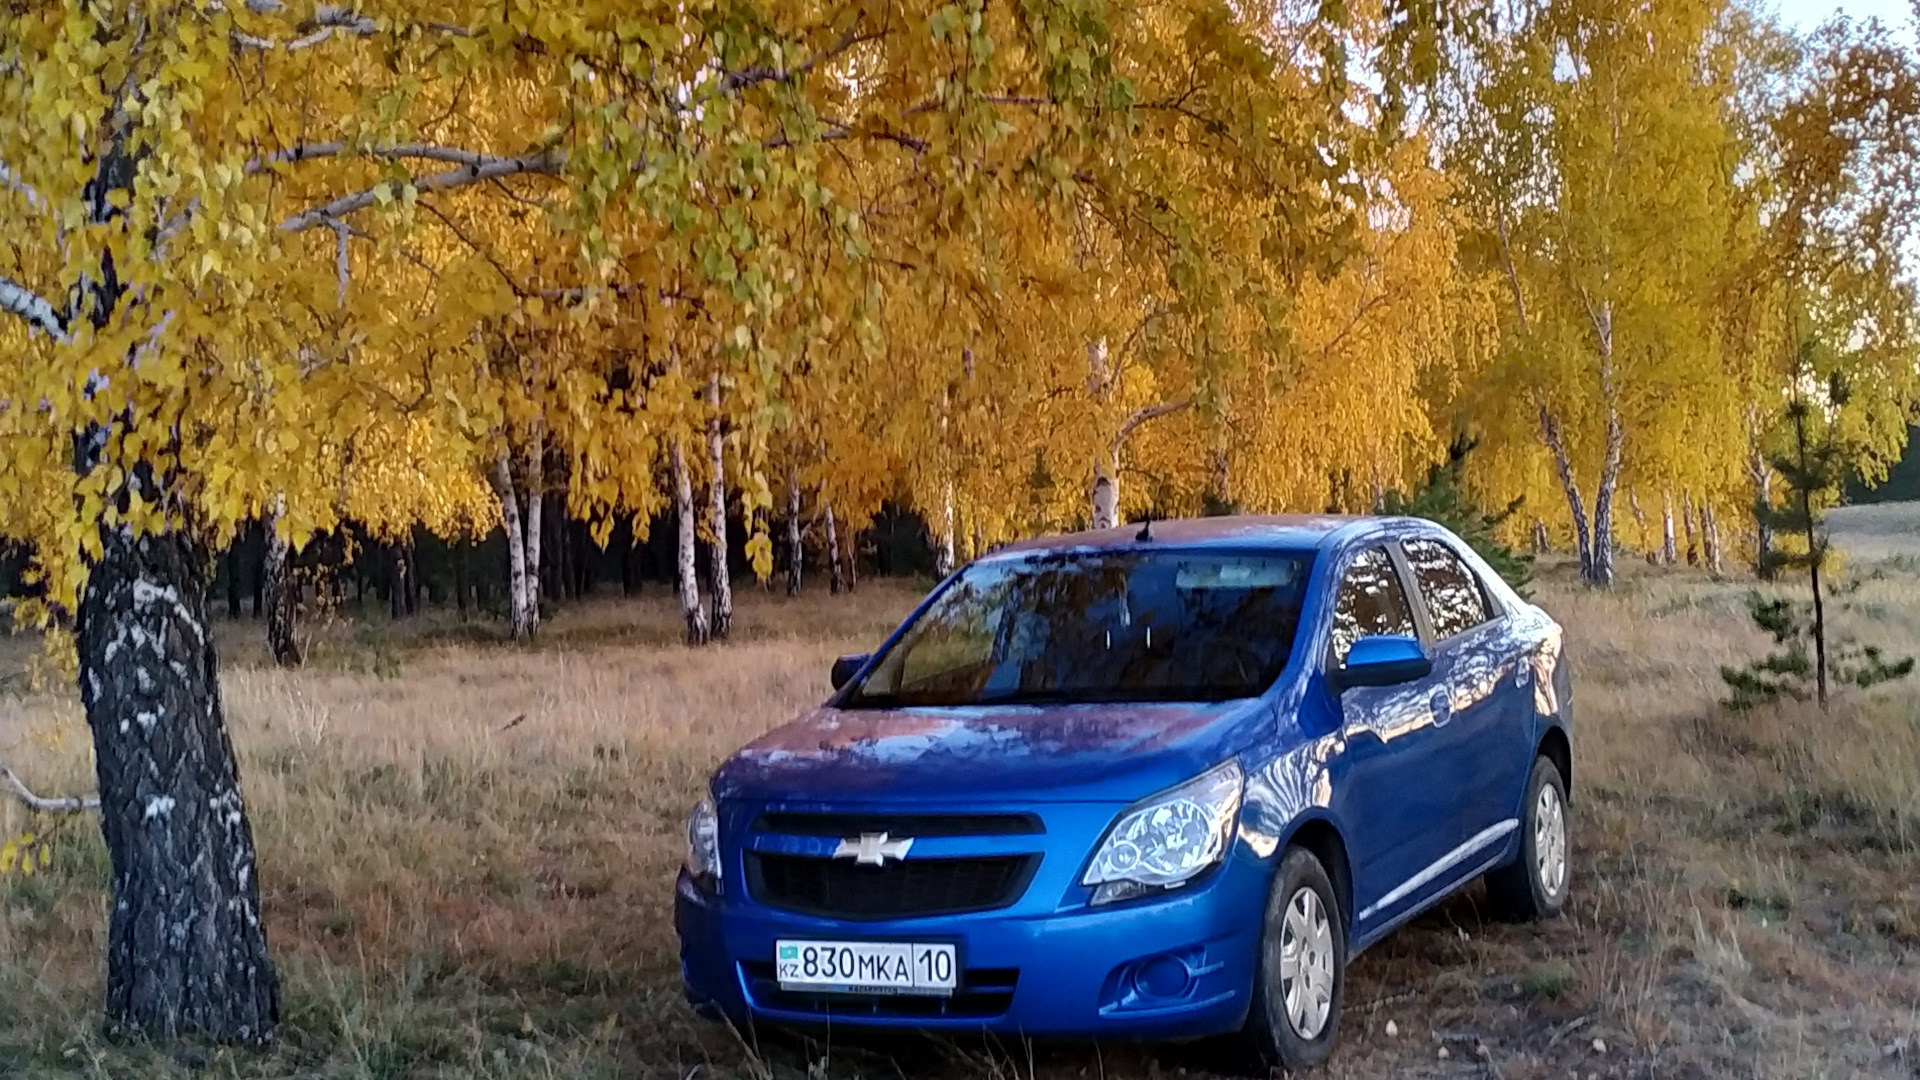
{"x": 1279, "y": 532}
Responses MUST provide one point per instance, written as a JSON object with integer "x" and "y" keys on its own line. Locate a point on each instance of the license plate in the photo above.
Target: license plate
{"x": 866, "y": 967}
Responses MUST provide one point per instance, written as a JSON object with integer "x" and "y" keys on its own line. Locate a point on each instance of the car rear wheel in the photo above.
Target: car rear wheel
{"x": 1534, "y": 886}
{"x": 1302, "y": 970}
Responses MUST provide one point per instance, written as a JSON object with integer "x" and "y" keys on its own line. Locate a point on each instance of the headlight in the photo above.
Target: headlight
{"x": 703, "y": 844}
{"x": 1168, "y": 839}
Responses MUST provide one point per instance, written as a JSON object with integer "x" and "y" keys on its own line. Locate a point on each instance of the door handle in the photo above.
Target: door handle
{"x": 1442, "y": 704}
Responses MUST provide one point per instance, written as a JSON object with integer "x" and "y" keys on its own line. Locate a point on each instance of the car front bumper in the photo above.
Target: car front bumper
{"x": 1175, "y": 966}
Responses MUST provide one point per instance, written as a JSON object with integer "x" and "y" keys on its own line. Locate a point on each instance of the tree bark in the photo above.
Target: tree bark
{"x": 945, "y": 557}
{"x": 1669, "y": 550}
{"x": 796, "y": 552}
{"x": 1686, "y": 521}
{"x": 1106, "y": 497}
{"x": 720, "y": 575}
{"x": 186, "y": 948}
{"x": 1710, "y": 537}
{"x": 397, "y": 573}
{"x": 1582, "y": 530}
{"x": 1541, "y": 543}
{"x": 531, "y": 523}
{"x": 836, "y": 578}
{"x": 1106, "y": 472}
{"x": 1761, "y": 475}
{"x": 282, "y": 641}
{"x": 521, "y": 624}
{"x": 687, "y": 566}
{"x": 1602, "y": 575}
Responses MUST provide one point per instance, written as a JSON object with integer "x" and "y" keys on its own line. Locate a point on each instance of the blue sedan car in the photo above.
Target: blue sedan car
{"x": 1148, "y": 783}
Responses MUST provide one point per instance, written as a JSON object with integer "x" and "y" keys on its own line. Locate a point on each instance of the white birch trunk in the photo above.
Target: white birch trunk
{"x": 1710, "y": 537}
{"x": 1761, "y": 475}
{"x": 721, "y": 578}
{"x": 518, "y": 624}
{"x": 837, "y": 582}
{"x": 687, "y": 564}
{"x": 1563, "y": 465}
{"x": 530, "y": 521}
{"x": 1602, "y": 543}
{"x": 944, "y": 556}
{"x": 1669, "y": 549}
{"x": 1106, "y": 496}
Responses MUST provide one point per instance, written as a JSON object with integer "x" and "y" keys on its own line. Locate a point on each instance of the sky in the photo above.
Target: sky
{"x": 1807, "y": 14}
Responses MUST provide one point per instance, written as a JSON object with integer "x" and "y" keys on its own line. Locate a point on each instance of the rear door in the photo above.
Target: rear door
{"x": 1483, "y": 729}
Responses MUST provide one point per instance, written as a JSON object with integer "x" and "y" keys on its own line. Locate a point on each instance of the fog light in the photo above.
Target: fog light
{"x": 1162, "y": 977}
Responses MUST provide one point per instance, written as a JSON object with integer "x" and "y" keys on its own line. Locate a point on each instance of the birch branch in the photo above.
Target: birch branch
{"x": 41, "y": 804}
{"x": 546, "y": 163}
{"x": 739, "y": 80}
{"x": 1141, "y": 416}
{"x": 10, "y": 180}
{"x": 451, "y": 155}
{"x": 18, "y": 300}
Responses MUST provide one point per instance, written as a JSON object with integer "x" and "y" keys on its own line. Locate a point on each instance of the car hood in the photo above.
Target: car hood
{"x": 1076, "y": 753}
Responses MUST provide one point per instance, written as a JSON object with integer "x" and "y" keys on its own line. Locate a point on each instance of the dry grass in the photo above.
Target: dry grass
{"x": 468, "y": 851}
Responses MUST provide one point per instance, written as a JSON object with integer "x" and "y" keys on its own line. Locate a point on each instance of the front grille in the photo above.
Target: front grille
{"x": 983, "y": 993}
{"x": 916, "y": 825}
{"x": 913, "y": 888}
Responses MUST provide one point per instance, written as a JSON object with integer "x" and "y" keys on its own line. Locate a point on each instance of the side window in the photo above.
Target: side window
{"x": 1371, "y": 602}
{"x": 1455, "y": 600}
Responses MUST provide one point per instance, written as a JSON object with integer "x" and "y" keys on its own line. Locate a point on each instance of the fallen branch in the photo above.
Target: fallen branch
{"x": 40, "y": 804}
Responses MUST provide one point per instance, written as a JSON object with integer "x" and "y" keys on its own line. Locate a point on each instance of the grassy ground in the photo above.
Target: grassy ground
{"x": 467, "y": 854}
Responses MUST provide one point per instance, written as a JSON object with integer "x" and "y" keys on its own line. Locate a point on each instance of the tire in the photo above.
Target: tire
{"x": 1534, "y": 885}
{"x": 1291, "y": 993}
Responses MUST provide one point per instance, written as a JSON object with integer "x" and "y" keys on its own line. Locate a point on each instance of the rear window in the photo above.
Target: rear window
{"x": 1124, "y": 626}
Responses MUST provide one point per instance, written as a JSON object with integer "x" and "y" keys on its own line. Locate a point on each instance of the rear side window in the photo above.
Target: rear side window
{"x": 1371, "y": 602}
{"x": 1455, "y": 601}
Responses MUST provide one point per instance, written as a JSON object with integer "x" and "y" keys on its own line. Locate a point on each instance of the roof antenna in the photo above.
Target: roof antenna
{"x": 1146, "y": 530}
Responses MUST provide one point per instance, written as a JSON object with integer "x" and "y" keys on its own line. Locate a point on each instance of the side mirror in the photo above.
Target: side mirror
{"x": 845, "y": 668}
{"x": 1382, "y": 660}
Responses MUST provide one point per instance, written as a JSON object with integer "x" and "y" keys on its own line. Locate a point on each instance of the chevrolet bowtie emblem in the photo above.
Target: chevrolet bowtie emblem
{"x": 872, "y": 849}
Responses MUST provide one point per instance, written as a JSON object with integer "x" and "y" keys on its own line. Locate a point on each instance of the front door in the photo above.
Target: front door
{"x": 1389, "y": 801}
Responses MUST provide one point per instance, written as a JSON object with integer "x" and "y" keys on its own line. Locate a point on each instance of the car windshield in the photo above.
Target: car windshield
{"x": 1118, "y": 627}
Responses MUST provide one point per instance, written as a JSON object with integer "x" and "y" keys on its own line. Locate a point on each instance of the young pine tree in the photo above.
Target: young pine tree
{"x": 1441, "y": 499}
{"x": 1813, "y": 469}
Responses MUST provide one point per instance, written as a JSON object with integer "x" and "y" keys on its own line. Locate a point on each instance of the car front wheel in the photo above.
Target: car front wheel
{"x": 1302, "y": 972}
{"x": 1535, "y": 885}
